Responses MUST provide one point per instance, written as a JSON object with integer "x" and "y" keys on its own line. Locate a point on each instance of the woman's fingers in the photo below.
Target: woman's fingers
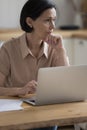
{"x": 54, "y": 41}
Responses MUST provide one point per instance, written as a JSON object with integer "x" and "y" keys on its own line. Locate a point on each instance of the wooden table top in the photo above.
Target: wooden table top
{"x": 43, "y": 116}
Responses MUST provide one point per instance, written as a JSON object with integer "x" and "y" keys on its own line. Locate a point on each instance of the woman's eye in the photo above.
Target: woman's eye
{"x": 48, "y": 20}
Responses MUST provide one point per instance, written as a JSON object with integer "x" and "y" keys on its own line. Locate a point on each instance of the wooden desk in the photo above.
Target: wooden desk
{"x": 42, "y": 116}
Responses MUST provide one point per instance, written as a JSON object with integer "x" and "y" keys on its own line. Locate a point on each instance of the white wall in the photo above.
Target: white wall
{"x": 10, "y": 12}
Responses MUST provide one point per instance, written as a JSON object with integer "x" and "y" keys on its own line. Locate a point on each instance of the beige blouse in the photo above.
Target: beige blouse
{"x": 20, "y": 66}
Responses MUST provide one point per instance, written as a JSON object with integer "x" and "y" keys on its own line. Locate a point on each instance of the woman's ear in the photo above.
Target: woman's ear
{"x": 29, "y": 22}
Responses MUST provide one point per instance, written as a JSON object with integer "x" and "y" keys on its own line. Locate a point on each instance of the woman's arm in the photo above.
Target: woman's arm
{"x": 29, "y": 88}
{"x": 60, "y": 57}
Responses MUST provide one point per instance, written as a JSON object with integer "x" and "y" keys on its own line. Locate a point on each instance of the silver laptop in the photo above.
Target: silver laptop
{"x": 60, "y": 85}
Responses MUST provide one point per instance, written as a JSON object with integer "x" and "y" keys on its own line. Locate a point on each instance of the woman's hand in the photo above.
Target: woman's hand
{"x": 55, "y": 41}
{"x": 29, "y": 88}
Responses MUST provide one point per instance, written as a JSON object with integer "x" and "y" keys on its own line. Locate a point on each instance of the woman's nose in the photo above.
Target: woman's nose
{"x": 52, "y": 25}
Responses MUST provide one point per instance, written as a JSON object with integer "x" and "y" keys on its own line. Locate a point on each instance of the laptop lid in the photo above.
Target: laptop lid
{"x": 61, "y": 84}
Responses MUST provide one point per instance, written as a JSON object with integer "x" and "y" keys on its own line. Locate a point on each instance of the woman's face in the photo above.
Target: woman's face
{"x": 44, "y": 25}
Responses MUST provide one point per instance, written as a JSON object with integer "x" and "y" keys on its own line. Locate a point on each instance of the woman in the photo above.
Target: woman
{"x": 20, "y": 58}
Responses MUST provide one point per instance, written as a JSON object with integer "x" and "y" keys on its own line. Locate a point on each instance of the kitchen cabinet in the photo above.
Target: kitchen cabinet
{"x": 80, "y": 51}
{"x": 69, "y": 46}
{"x": 76, "y": 49}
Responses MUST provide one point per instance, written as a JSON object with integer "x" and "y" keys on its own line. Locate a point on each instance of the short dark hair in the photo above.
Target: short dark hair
{"x": 33, "y": 9}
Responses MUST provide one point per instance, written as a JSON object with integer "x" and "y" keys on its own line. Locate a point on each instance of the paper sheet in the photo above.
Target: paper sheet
{"x": 10, "y": 104}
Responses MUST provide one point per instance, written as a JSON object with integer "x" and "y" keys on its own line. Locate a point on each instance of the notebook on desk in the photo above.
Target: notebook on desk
{"x": 60, "y": 85}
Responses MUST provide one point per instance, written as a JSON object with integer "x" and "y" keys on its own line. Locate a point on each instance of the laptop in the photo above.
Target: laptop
{"x": 60, "y": 85}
